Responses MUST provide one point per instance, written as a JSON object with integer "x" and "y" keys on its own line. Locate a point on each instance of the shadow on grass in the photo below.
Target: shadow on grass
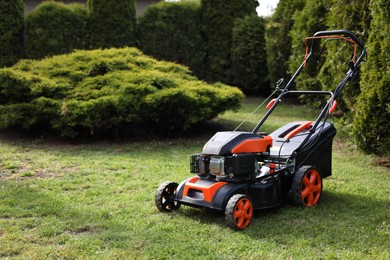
{"x": 199, "y": 131}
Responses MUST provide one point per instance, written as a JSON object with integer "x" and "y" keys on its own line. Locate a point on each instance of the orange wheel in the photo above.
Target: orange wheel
{"x": 239, "y": 211}
{"x": 307, "y": 186}
{"x": 165, "y": 197}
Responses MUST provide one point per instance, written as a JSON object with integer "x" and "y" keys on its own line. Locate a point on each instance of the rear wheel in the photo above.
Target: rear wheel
{"x": 165, "y": 197}
{"x": 239, "y": 211}
{"x": 307, "y": 186}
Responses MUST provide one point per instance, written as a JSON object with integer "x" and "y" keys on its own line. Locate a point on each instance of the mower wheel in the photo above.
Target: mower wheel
{"x": 239, "y": 211}
{"x": 165, "y": 197}
{"x": 307, "y": 186}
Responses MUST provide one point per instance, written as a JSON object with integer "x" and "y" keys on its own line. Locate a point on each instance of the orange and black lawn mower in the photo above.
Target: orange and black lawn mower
{"x": 240, "y": 172}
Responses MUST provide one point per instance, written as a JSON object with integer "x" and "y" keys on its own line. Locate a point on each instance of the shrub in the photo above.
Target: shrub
{"x": 249, "y": 56}
{"x": 11, "y": 31}
{"x": 112, "y": 23}
{"x": 55, "y": 28}
{"x": 172, "y": 31}
{"x": 371, "y": 125}
{"x": 111, "y": 90}
{"x": 217, "y": 23}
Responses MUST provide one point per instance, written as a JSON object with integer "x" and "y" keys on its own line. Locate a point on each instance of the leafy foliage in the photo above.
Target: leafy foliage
{"x": 92, "y": 92}
{"x": 11, "y": 31}
{"x": 249, "y": 57}
{"x": 217, "y": 24}
{"x": 65, "y": 32}
{"x": 112, "y": 23}
{"x": 371, "y": 125}
{"x": 172, "y": 31}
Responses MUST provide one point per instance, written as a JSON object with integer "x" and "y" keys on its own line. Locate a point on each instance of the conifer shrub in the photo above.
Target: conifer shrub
{"x": 371, "y": 124}
{"x": 278, "y": 39}
{"x": 172, "y": 31}
{"x": 11, "y": 31}
{"x": 112, "y": 90}
{"x": 309, "y": 20}
{"x": 112, "y": 23}
{"x": 218, "y": 19}
{"x": 356, "y": 18}
{"x": 55, "y": 28}
{"x": 249, "y": 57}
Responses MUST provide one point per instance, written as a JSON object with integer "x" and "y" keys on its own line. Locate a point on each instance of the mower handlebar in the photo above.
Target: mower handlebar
{"x": 341, "y": 32}
{"x": 350, "y": 35}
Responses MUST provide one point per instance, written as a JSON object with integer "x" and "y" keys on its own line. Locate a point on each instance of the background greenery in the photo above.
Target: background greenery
{"x": 371, "y": 126}
{"x": 65, "y": 32}
{"x": 173, "y": 32}
{"x": 11, "y": 32}
{"x": 64, "y": 200}
{"x": 112, "y": 23}
{"x": 218, "y": 19}
{"x": 248, "y": 55}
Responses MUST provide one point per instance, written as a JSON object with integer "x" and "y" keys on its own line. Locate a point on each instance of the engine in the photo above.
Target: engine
{"x": 231, "y": 154}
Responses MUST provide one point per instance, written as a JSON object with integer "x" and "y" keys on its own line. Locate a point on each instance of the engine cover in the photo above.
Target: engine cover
{"x": 232, "y": 142}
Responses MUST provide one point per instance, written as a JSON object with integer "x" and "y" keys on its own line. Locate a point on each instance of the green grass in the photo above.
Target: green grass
{"x": 63, "y": 200}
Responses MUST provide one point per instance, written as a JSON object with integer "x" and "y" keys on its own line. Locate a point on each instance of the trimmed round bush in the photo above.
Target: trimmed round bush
{"x": 11, "y": 31}
{"x": 106, "y": 91}
{"x": 55, "y": 28}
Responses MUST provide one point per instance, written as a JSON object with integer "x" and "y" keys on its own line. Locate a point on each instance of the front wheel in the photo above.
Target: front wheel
{"x": 165, "y": 197}
{"x": 239, "y": 211}
{"x": 307, "y": 186}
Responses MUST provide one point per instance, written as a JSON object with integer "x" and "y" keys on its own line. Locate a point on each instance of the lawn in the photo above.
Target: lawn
{"x": 62, "y": 199}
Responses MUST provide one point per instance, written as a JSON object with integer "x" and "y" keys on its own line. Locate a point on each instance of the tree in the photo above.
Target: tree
{"x": 217, "y": 22}
{"x": 11, "y": 31}
{"x": 172, "y": 31}
{"x": 371, "y": 125}
{"x": 278, "y": 39}
{"x": 309, "y": 20}
{"x": 112, "y": 23}
{"x": 353, "y": 15}
{"x": 249, "y": 57}
{"x": 65, "y": 32}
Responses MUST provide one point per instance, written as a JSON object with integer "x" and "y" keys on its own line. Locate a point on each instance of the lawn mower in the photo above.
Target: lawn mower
{"x": 239, "y": 172}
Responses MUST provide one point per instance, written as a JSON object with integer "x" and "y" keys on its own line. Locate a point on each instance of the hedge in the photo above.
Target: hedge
{"x": 278, "y": 39}
{"x": 371, "y": 124}
{"x": 249, "y": 56}
{"x": 112, "y": 23}
{"x": 112, "y": 90}
{"x": 11, "y": 31}
{"x": 217, "y": 24}
{"x": 55, "y": 28}
{"x": 355, "y": 18}
{"x": 172, "y": 31}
